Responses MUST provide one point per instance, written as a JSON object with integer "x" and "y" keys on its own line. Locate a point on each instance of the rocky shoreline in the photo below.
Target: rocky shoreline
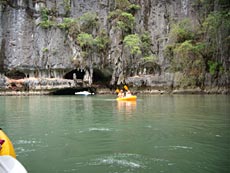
{"x": 23, "y": 93}
{"x": 107, "y": 91}
{"x": 221, "y": 91}
{"x": 57, "y": 86}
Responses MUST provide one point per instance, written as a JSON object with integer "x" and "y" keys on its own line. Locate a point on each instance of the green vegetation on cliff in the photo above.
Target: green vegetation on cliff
{"x": 202, "y": 48}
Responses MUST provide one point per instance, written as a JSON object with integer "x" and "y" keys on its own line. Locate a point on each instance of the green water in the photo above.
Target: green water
{"x": 97, "y": 134}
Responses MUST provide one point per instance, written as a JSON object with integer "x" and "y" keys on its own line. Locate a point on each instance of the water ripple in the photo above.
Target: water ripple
{"x": 125, "y": 160}
{"x": 27, "y": 142}
{"x": 21, "y": 150}
{"x": 174, "y": 147}
{"x": 112, "y": 161}
{"x": 181, "y": 147}
{"x": 99, "y": 129}
{"x": 94, "y": 129}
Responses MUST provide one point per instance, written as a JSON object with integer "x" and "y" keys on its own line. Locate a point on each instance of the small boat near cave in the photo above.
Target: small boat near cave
{"x": 84, "y": 93}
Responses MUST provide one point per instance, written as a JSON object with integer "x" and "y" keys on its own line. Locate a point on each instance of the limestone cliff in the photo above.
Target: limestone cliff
{"x": 57, "y": 38}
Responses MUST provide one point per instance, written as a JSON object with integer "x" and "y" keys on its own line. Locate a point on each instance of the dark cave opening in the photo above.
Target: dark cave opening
{"x": 79, "y": 74}
{"x": 101, "y": 76}
{"x": 15, "y": 74}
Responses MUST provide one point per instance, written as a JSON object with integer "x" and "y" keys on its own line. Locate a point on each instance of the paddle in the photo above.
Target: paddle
{"x": 117, "y": 91}
{"x": 126, "y": 88}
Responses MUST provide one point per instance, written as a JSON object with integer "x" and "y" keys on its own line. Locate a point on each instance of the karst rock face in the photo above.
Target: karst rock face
{"x": 51, "y": 51}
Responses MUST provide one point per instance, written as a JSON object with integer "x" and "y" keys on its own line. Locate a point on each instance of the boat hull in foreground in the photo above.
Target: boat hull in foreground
{"x": 9, "y": 164}
{"x": 8, "y": 161}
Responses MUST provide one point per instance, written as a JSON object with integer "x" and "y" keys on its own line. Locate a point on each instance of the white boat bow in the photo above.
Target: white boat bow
{"x": 8, "y": 164}
{"x": 85, "y": 93}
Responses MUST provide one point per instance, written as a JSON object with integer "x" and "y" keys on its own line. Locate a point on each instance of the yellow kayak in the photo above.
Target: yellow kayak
{"x": 7, "y": 146}
{"x": 128, "y": 98}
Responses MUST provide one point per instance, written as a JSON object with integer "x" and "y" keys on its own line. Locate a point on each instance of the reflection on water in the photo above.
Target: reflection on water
{"x": 101, "y": 135}
{"x": 127, "y": 107}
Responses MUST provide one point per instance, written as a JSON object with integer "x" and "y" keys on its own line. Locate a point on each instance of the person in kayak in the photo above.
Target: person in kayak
{"x": 128, "y": 93}
{"x": 121, "y": 94}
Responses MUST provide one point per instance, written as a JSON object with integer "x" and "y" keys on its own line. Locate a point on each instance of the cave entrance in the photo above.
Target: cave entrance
{"x": 102, "y": 77}
{"x": 78, "y": 72}
{"x": 15, "y": 74}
